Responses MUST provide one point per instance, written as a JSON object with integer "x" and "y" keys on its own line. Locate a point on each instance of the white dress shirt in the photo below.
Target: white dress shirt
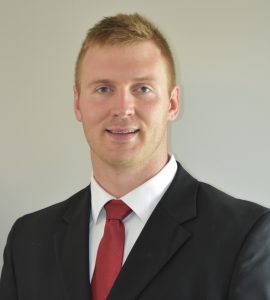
{"x": 142, "y": 200}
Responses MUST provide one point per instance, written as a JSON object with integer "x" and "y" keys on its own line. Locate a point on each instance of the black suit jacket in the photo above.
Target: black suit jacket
{"x": 198, "y": 244}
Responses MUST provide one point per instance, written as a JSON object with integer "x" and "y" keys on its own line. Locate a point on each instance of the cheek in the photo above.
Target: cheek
{"x": 92, "y": 114}
{"x": 156, "y": 112}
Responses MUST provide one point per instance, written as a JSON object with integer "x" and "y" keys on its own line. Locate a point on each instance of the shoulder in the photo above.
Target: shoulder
{"x": 240, "y": 228}
{"x": 234, "y": 220}
{"x": 216, "y": 210}
{"x": 48, "y": 218}
{"x": 216, "y": 202}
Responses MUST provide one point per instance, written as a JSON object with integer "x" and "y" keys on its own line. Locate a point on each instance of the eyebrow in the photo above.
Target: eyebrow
{"x": 99, "y": 81}
{"x": 108, "y": 81}
{"x": 145, "y": 78}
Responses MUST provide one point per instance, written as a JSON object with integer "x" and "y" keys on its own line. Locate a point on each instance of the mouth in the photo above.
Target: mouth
{"x": 122, "y": 135}
{"x": 122, "y": 131}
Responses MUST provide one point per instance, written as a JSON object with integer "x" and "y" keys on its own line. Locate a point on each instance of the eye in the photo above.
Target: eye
{"x": 144, "y": 89}
{"x": 104, "y": 90}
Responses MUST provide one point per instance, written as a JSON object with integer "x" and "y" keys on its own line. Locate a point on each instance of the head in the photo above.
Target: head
{"x": 122, "y": 30}
{"x": 125, "y": 93}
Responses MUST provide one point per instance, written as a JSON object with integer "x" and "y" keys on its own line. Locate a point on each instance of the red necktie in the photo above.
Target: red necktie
{"x": 110, "y": 251}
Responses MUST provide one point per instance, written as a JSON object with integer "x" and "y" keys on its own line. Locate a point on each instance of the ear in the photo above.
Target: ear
{"x": 76, "y": 104}
{"x": 174, "y": 106}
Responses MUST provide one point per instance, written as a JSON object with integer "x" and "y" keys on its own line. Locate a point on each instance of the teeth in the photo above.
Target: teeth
{"x": 123, "y": 131}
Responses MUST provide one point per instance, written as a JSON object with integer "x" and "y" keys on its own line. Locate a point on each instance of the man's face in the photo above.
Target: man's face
{"x": 124, "y": 104}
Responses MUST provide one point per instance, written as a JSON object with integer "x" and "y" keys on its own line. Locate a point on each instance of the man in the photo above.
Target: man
{"x": 178, "y": 238}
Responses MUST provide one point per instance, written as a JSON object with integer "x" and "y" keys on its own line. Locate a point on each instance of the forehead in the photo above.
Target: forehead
{"x": 127, "y": 60}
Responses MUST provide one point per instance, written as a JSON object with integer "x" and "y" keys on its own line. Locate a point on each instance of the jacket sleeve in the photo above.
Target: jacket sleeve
{"x": 8, "y": 288}
{"x": 251, "y": 277}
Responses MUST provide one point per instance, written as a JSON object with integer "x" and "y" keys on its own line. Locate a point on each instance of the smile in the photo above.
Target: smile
{"x": 122, "y": 131}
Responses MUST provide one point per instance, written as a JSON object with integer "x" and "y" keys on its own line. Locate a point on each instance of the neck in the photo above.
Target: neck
{"x": 120, "y": 181}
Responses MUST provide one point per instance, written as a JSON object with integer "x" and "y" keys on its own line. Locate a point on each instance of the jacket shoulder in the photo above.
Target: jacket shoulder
{"x": 227, "y": 211}
{"x": 47, "y": 218}
{"x": 213, "y": 197}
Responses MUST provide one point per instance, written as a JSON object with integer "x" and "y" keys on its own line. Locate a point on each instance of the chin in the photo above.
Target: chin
{"x": 123, "y": 162}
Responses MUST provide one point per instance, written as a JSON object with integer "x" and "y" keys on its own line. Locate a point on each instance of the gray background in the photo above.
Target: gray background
{"x": 222, "y": 135}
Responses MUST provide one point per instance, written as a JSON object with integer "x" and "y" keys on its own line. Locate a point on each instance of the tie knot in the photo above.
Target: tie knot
{"x": 116, "y": 210}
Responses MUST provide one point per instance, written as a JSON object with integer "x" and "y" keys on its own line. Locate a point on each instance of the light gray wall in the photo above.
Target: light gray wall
{"x": 222, "y": 136}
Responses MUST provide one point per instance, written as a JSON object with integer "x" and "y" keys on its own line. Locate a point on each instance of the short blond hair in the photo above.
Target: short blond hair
{"x": 126, "y": 29}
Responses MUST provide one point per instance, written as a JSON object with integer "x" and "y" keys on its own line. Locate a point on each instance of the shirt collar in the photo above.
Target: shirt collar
{"x": 143, "y": 199}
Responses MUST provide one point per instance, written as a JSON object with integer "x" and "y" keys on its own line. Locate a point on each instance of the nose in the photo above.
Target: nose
{"x": 123, "y": 104}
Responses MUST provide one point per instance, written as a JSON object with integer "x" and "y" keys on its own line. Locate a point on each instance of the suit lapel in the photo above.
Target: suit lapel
{"x": 71, "y": 247}
{"x": 162, "y": 236}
